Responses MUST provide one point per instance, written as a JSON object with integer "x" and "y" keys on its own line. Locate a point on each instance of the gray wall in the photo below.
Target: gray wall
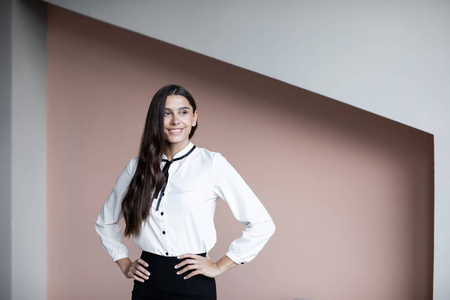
{"x": 5, "y": 150}
{"x": 23, "y": 150}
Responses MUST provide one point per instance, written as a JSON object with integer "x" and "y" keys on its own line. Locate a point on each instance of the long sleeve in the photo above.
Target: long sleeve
{"x": 107, "y": 224}
{"x": 246, "y": 208}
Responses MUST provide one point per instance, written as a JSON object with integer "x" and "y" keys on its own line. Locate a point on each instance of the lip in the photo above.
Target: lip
{"x": 175, "y": 131}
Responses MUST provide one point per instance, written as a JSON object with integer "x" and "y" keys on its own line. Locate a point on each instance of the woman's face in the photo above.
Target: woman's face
{"x": 179, "y": 118}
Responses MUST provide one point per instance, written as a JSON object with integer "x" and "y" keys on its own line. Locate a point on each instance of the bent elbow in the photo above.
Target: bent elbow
{"x": 272, "y": 228}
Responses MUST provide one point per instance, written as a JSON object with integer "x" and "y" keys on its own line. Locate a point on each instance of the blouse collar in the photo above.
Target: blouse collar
{"x": 182, "y": 152}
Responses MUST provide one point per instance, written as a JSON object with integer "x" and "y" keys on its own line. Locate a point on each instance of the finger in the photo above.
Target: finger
{"x": 187, "y": 268}
{"x": 140, "y": 274}
{"x": 143, "y": 270}
{"x": 142, "y": 262}
{"x": 188, "y": 255}
{"x": 192, "y": 274}
{"x": 135, "y": 277}
{"x": 185, "y": 262}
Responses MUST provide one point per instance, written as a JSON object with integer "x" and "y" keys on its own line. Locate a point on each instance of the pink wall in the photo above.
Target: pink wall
{"x": 351, "y": 193}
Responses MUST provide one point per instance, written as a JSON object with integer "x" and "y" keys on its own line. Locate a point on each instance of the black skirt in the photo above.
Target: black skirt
{"x": 165, "y": 284}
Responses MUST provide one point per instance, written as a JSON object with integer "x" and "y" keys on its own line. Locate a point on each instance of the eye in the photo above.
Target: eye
{"x": 184, "y": 112}
{"x": 166, "y": 113}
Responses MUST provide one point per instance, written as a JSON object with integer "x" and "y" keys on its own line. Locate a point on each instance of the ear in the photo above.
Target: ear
{"x": 194, "y": 120}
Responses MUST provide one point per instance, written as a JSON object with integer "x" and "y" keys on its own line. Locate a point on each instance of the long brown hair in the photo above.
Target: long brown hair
{"x": 148, "y": 178}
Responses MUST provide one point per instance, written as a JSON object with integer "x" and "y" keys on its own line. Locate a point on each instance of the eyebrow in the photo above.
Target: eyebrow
{"x": 180, "y": 108}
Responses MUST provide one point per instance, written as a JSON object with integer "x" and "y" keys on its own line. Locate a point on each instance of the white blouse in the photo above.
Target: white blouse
{"x": 184, "y": 221}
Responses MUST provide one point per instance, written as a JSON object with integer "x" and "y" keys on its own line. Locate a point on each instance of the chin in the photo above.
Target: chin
{"x": 178, "y": 140}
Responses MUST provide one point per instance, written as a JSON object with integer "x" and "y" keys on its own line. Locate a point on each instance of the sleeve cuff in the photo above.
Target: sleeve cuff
{"x": 120, "y": 256}
{"x": 234, "y": 258}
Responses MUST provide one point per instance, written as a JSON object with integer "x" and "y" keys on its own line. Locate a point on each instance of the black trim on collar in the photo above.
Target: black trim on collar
{"x": 181, "y": 157}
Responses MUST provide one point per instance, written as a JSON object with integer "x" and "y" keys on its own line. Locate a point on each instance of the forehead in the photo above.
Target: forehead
{"x": 176, "y": 102}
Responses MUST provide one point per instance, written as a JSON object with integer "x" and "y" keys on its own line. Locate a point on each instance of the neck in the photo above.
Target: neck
{"x": 172, "y": 149}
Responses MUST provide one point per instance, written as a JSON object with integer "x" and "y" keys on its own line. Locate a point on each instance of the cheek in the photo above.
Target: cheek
{"x": 166, "y": 120}
{"x": 188, "y": 120}
{"x": 188, "y": 128}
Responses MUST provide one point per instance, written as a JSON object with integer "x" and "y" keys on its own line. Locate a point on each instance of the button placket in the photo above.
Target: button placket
{"x": 162, "y": 217}
{"x": 162, "y": 211}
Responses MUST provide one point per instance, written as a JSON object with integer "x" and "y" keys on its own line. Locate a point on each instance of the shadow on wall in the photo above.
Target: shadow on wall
{"x": 351, "y": 193}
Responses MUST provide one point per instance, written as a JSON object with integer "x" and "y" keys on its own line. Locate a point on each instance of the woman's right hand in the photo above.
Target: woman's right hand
{"x": 134, "y": 270}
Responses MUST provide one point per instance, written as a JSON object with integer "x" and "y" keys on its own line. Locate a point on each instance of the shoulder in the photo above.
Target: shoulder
{"x": 207, "y": 155}
{"x": 211, "y": 157}
{"x": 132, "y": 165}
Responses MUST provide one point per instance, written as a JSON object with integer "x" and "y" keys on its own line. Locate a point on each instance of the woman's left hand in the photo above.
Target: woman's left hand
{"x": 203, "y": 265}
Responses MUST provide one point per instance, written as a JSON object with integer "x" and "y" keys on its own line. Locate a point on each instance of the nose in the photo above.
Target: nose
{"x": 174, "y": 120}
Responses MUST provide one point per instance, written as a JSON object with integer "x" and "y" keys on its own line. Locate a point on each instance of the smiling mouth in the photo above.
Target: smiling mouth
{"x": 175, "y": 131}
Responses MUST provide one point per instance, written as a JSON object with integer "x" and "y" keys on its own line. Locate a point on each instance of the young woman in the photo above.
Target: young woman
{"x": 167, "y": 197}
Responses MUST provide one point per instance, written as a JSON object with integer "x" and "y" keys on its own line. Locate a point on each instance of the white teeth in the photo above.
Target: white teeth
{"x": 175, "y": 130}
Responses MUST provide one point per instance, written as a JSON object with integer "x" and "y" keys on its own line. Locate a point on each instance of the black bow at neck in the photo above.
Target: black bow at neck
{"x": 165, "y": 171}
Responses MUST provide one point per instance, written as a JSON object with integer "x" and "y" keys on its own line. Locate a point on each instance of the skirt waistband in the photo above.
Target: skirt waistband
{"x": 151, "y": 257}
